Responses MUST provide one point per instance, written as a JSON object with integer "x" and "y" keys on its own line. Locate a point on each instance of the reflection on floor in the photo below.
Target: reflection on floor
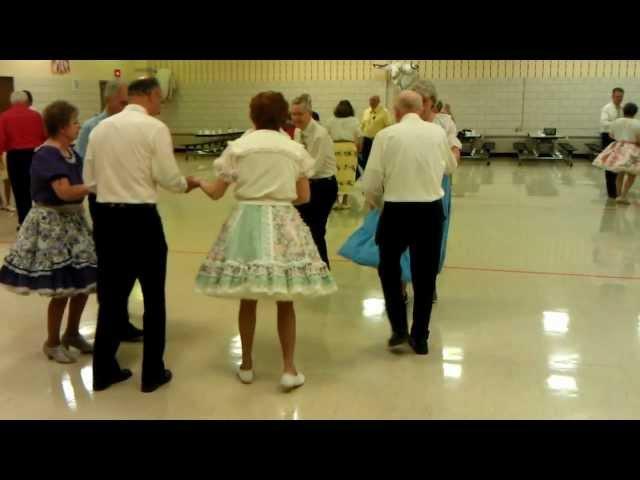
{"x": 538, "y": 318}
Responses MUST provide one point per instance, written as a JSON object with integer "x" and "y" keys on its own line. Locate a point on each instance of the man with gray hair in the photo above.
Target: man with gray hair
{"x": 427, "y": 90}
{"x": 323, "y": 183}
{"x": 21, "y": 132}
{"x": 405, "y": 170}
{"x": 115, "y": 99}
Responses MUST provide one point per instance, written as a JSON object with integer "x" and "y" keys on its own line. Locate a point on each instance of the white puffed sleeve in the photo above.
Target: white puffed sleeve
{"x": 225, "y": 166}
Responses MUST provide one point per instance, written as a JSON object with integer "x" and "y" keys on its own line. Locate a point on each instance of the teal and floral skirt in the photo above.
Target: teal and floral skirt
{"x": 264, "y": 250}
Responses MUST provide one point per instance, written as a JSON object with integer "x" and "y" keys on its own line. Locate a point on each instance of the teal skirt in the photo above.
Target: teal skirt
{"x": 264, "y": 251}
{"x": 362, "y": 249}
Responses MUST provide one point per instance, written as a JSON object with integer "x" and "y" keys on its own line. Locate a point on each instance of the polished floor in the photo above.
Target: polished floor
{"x": 538, "y": 318}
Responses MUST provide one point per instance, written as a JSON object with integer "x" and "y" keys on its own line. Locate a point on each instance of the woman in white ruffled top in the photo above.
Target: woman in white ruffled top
{"x": 265, "y": 250}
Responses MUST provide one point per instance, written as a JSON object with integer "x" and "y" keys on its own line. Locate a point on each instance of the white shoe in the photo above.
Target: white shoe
{"x": 623, "y": 201}
{"x": 10, "y": 208}
{"x": 245, "y": 376}
{"x": 59, "y": 354}
{"x": 78, "y": 342}
{"x": 288, "y": 381}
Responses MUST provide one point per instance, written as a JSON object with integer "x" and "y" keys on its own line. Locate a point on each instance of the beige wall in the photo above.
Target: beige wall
{"x": 80, "y": 86}
{"x": 208, "y": 71}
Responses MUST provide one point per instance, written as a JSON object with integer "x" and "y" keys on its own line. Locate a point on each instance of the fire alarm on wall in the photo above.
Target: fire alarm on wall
{"x": 117, "y": 73}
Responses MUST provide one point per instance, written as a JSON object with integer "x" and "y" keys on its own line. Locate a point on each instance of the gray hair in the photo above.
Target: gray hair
{"x": 19, "y": 97}
{"x": 111, "y": 88}
{"x": 426, "y": 89}
{"x": 409, "y": 101}
{"x": 304, "y": 101}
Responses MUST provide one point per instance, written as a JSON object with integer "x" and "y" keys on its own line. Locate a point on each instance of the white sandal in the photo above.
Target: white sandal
{"x": 79, "y": 342}
{"x": 245, "y": 376}
{"x": 58, "y": 353}
{"x": 289, "y": 381}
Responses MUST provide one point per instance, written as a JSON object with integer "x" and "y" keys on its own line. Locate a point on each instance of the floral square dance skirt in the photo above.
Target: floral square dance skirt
{"x": 346, "y": 166}
{"x": 54, "y": 254}
{"x": 264, "y": 251}
{"x": 620, "y": 157}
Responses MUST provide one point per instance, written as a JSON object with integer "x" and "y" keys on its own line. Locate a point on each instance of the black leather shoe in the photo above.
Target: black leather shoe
{"x": 132, "y": 334}
{"x": 397, "y": 340}
{"x": 421, "y": 347}
{"x": 121, "y": 376}
{"x": 152, "y": 387}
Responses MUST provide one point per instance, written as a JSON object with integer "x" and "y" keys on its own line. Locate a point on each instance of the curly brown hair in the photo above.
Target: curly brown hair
{"x": 269, "y": 110}
{"x": 58, "y": 115}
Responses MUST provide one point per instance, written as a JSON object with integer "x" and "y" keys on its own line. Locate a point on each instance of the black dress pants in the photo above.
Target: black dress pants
{"x": 324, "y": 193}
{"x": 19, "y": 171}
{"x": 132, "y": 281}
{"x": 130, "y": 245}
{"x": 417, "y": 226}
{"x": 610, "y": 177}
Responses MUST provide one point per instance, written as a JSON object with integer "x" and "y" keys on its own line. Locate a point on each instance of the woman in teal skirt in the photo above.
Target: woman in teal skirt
{"x": 265, "y": 250}
{"x": 360, "y": 247}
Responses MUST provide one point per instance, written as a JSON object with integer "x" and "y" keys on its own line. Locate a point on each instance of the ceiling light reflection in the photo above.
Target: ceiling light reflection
{"x": 564, "y": 361}
{"x": 86, "y": 373}
{"x": 556, "y": 322}
{"x": 452, "y": 370}
{"x": 563, "y": 384}
{"x": 452, "y": 354}
{"x": 373, "y": 307}
{"x": 69, "y": 392}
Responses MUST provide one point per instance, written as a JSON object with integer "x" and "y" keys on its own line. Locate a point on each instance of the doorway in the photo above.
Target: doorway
{"x": 6, "y": 89}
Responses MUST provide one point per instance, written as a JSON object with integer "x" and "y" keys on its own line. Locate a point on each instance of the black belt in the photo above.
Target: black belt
{"x": 128, "y": 205}
{"x": 315, "y": 180}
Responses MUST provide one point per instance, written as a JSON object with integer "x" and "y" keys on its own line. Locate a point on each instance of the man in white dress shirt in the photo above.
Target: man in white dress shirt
{"x": 610, "y": 113}
{"x": 323, "y": 183}
{"x": 128, "y": 156}
{"x": 405, "y": 170}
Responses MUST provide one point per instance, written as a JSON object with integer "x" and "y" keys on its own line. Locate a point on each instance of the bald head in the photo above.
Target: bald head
{"x": 408, "y": 102}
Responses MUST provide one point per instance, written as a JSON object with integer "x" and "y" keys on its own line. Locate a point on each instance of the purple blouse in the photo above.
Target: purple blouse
{"x": 48, "y": 165}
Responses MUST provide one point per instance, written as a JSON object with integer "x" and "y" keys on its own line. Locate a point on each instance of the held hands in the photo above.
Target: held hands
{"x": 192, "y": 183}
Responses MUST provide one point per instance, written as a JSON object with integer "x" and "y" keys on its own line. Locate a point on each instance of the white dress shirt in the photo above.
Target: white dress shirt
{"x": 264, "y": 165}
{"x": 450, "y": 128}
{"x": 319, "y": 144}
{"x": 407, "y": 162}
{"x": 128, "y": 156}
{"x": 345, "y": 129}
{"x": 608, "y": 114}
{"x": 625, "y": 129}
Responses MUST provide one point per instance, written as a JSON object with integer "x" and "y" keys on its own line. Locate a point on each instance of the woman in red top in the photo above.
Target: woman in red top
{"x": 21, "y": 132}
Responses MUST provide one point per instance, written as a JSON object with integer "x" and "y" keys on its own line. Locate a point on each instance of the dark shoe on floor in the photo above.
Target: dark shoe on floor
{"x": 397, "y": 340}
{"x": 121, "y": 376}
{"x": 132, "y": 334}
{"x": 420, "y": 347}
{"x": 153, "y": 386}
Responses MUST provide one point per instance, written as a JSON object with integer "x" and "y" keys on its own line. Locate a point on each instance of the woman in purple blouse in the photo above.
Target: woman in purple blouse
{"x": 54, "y": 255}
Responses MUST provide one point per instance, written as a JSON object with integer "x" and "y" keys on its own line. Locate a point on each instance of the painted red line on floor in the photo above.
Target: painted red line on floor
{"x": 533, "y": 272}
{"x": 470, "y": 269}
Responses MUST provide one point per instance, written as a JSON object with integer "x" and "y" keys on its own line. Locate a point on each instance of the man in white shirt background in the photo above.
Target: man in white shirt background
{"x": 405, "y": 170}
{"x": 128, "y": 156}
{"x": 323, "y": 183}
{"x": 115, "y": 98}
{"x": 609, "y": 113}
